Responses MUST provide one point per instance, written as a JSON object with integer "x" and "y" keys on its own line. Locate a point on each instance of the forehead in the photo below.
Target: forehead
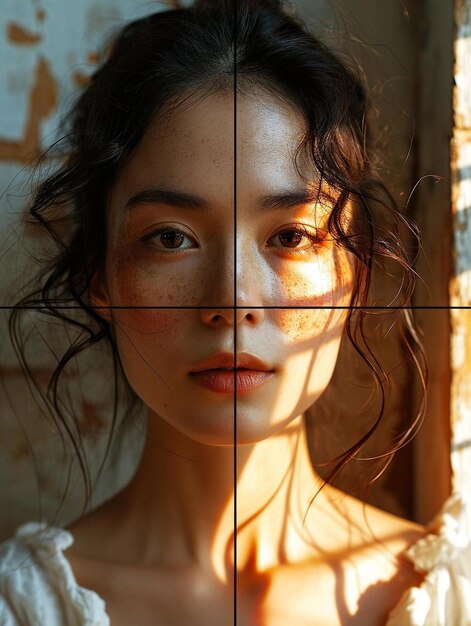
{"x": 210, "y": 141}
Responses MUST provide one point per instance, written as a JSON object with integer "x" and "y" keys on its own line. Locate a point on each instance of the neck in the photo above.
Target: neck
{"x": 183, "y": 498}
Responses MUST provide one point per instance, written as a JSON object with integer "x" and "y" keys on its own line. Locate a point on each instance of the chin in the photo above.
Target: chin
{"x": 249, "y": 430}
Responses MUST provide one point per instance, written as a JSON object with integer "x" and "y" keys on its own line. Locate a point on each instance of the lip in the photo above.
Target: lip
{"x": 231, "y": 381}
{"x": 225, "y": 374}
{"x": 227, "y": 360}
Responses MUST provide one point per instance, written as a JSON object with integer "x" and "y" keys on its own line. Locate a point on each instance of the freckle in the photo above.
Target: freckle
{"x": 302, "y": 325}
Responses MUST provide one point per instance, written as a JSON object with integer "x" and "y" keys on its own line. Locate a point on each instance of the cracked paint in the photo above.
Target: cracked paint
{"x": 42, "y": 103}
{"x": 21, "y": 36}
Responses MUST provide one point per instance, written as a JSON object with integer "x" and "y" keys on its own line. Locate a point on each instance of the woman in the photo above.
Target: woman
{"x": 226, "y": 224}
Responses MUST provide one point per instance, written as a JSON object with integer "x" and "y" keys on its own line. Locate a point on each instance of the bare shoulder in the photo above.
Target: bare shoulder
{"x": 374, "y": 557}
{"x": 367, "y": 523}
{"x": 395, "y": 533}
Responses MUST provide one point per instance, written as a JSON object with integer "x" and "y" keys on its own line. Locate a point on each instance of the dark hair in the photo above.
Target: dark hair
{"x": 152, "y": 64}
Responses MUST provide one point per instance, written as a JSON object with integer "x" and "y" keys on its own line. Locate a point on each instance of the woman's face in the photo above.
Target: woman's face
{"x": 242, "y": 235}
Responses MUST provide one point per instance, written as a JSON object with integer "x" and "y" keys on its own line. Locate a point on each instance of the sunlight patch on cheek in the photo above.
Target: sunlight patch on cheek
{"x": 324, "y": 281}
{"x": 289, "y": 400}
{"x": 326, "y": 360}
{"x": 306, "y": 376}
{"x": 300, "y": 325}
{"x": 312, "y": 339}
{"x": 321, "y": 283}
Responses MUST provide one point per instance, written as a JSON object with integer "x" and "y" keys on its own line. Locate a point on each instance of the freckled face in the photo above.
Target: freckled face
{"x": 173, "y": 242}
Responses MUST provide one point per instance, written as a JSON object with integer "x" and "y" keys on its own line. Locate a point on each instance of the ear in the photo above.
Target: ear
{"x": 99, "y": 298}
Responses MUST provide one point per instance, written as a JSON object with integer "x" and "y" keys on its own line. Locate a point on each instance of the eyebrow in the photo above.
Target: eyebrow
{"x": 157, "y": 195}
{"x": 289, "y": 199}
{"x": 272, "y": 202}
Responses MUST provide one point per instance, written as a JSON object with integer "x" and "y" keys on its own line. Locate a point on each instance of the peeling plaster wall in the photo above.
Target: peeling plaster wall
{"x": 47, "y": 51}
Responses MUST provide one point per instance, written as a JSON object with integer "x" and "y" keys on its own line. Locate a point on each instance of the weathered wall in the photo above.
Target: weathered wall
{"x": 433, "y": 214}
{"x": 460, "y": 287}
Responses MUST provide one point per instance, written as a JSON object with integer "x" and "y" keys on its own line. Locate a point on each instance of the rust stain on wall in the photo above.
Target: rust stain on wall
{"x": 42, "y": 103}
{"x": 93, "y": 57}
{"x": 21, "y": 36}
{"x": 80, "y": 78}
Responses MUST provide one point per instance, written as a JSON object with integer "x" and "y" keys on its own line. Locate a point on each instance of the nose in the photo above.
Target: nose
{"x": 247, "y": 307}
{"x": 230, "y": 316}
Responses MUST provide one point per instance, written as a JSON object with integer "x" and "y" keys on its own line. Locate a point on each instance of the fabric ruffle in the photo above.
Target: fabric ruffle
{"x": 43, "y": 546}
{"x": 444, "y": 556}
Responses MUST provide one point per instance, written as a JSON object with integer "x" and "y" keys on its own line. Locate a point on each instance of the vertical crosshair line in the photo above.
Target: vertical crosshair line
{"x": 234, "y": 182}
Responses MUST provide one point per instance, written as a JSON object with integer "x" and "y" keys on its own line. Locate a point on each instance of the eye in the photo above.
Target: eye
{"x": 168, "y": 240}
{"x": 298, "y": 238}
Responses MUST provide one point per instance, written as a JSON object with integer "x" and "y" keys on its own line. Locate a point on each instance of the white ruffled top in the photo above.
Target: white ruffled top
{"x": 38, "y": 588}
{"x": 444, "y": 556}
{"x": 37, "y": 584}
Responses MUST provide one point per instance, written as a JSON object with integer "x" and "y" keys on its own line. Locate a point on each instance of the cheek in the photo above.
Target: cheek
{"x": 324, "y": 281}
{"x": 304, "y": 327}
{"x": 312, "y": 341}
{"x": 151, "y": 344}
{"x": 135, "y": 282}
{"x": 138, "y": 323}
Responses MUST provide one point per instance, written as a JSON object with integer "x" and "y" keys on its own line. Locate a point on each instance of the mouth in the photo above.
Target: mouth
{"x": 232, "y": 369}
{"x": 230, "y": 361}
{"x": 223, "y": 373}
{"x": 231, "y": 381}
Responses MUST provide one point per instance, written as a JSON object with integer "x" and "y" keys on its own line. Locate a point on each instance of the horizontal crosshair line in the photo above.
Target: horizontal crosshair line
{"x": 233, "y": 308}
